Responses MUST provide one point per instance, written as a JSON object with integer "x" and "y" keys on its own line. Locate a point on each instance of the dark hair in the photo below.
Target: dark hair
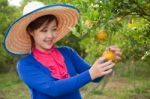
{"x": 37, "y": 23}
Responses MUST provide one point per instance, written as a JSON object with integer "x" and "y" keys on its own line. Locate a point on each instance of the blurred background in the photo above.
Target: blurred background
{"x": 125, "y": 23}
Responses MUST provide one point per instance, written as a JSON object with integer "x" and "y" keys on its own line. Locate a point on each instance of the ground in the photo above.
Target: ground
{"x": 117, "y": 87}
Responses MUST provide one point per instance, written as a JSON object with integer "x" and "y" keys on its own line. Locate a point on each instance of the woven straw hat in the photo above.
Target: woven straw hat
{"x": 17, "y": 40}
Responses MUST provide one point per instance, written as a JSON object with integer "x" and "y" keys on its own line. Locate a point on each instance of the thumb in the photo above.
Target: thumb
{"x": 100, "y": 60}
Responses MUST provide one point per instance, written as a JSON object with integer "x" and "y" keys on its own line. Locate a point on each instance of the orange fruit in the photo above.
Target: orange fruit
{"x": 102, "y": 35}
{"x": 109, "y": 55}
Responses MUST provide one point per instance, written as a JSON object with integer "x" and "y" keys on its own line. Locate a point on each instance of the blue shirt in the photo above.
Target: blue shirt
{"x": 43, "y": 86}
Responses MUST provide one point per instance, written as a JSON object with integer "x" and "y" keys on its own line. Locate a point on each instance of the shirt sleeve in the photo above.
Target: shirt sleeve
{"x": 40, "y": 81}
{"x": 80, "y": 64}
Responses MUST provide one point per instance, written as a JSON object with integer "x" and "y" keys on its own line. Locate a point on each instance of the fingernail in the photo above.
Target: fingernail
{"x": 101, "y": 60}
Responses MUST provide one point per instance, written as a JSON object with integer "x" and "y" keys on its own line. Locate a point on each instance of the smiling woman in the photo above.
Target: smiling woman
{"x": 15, "y": 2}
{"x": 50, "y": 71}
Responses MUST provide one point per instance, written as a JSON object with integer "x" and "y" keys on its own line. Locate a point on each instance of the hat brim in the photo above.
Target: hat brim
{"x": 17, "y": 41}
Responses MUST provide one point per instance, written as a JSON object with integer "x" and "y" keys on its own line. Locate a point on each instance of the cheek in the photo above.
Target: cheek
{"x": 54, "y": 34}
{"x": 38, "y": 38}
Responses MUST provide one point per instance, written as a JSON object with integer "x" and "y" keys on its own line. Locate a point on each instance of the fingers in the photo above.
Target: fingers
{"x": 118, "y": 58}
{"x": 106, "y": 63}
{"x": 118, "y": 53}
{"x": 108, "y": 67}
{"x": 101, "y": 59}
{"x": 107, "y": 72}
{"x": 116, "y": 50}
{"x": 99, "y": 69}
{"x": 113, "y": 47}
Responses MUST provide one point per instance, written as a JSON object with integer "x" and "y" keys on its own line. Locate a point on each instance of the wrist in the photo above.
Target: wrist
{"x": 92, "y": 74}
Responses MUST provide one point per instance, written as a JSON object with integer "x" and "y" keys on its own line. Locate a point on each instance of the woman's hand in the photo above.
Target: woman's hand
{"x": 101, "y": 68}
{"x": 116, "y": 51}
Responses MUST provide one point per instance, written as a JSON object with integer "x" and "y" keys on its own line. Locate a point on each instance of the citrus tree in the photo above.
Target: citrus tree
{"x": 125, "y": 23}
{"x": 7, "y": 15}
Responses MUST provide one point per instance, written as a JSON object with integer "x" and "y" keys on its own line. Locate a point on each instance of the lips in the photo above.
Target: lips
{"x": 49, "y": 42}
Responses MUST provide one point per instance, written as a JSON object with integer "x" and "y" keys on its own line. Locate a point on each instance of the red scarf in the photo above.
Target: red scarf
{"x": 54, "y": 61}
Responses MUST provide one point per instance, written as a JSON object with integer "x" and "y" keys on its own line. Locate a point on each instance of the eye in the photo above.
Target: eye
{"x": 44, "y": 30}
{"x": 54, "y": 29}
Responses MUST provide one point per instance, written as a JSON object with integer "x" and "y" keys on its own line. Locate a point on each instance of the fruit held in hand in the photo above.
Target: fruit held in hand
{"x": 102, "y": 35}
{"x": 109, "y": 55}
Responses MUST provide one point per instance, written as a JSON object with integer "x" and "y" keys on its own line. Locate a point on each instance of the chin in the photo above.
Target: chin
{"x": 48, "y": 47}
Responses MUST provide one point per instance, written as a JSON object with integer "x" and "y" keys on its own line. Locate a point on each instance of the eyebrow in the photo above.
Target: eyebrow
{"x": 55, "y": 26}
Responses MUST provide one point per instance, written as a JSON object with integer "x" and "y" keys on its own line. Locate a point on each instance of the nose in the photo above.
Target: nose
{"x": 51, "y": 35}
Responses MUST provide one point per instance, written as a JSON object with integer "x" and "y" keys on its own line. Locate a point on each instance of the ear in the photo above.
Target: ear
{"x": 30, "y": 32}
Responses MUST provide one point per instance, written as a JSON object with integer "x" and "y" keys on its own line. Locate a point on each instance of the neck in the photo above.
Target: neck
{"x": 44, "y": 51}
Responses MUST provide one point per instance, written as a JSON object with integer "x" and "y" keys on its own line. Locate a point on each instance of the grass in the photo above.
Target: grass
{"x": 121, "y": 88}
{"x": 130, "y": 81}
{"x": 11, "y": 87}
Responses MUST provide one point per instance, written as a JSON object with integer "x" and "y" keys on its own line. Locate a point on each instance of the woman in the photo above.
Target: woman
{"x": 51, "y": 72}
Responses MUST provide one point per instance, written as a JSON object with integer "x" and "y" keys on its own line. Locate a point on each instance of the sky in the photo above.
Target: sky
{"x": 14, "y": 2}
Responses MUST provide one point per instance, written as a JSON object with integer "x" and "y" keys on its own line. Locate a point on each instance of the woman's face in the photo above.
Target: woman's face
{"x": 44, "y": 36}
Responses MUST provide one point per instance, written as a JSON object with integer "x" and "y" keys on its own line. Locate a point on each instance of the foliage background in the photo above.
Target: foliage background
{"x": 127, "y": 23}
